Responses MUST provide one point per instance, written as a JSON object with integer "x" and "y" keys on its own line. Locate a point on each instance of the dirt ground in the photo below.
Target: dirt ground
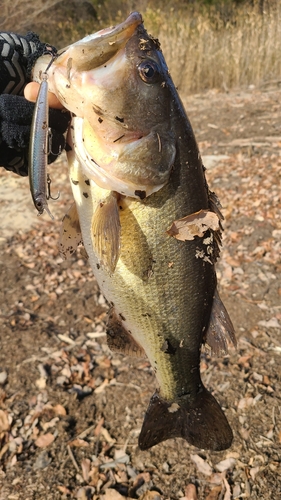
{"x": 71, "y": 411}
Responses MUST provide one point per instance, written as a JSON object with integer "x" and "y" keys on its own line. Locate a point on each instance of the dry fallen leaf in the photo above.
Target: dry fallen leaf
{"x": 214, "y": 493}
{"x": 194, "y": 225}
{"x": 4, "y": 449}
{"x": 4, "y": 422}
{"x": 101, "y": 387}
{"x": 86, "y": 466}
{"x": 217, "y": 478}
{"x": 243, "y": 360}
{"x": 79, "y": 443}
{"x": 98, "y": 428}
{"x": 149, "y": 495}
{"x": 111, "y": 494}
{"x": 59, "y": 410}
{"x": 64, "y": 490}
{"x": 254, "y": 471}
{"x": 190, "y": 492}
{"x": 82, "y": 494}
{"x": 265, "y": 380}
{"x": 244, "y": 433}
{"x": 245, "y": 403}
{"x": 227, "y": 495}
{"x": 236, "y": 490}
{"x": 228, "y": 463}
{"x": 271, "y": 323}
{"x": 201, "y": 465}
{"x": 45, "y": 440}
{"x": 106, "y": 435}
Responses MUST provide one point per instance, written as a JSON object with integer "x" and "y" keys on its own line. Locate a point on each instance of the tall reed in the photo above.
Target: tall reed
{"x": 205, "y": 51}
{"x": 220, "y": 46}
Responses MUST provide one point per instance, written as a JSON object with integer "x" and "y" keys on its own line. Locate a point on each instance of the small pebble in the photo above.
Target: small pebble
{"x": 3, "y": 377}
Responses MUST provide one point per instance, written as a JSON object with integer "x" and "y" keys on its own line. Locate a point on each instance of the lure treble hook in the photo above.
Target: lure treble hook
{"x": 49, "y": 196}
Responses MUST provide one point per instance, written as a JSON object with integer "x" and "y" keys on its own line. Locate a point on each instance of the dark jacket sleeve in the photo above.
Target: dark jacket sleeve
{"x": 17, "y": 56}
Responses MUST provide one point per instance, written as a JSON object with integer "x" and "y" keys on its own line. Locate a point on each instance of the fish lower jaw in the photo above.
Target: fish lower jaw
{"x": 106, "y": 181}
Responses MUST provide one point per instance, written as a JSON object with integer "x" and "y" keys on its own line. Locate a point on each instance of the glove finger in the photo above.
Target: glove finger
{"x": 15, "y": 136}
{"x": 18, "y": 137}
{"x": 16, "y": 109}
{"x": 13, "y": 160}
{"x": 59, "y": 119}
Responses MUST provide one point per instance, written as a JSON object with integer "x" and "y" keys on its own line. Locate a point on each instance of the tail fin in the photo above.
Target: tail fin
{"x": 203, "y": 424}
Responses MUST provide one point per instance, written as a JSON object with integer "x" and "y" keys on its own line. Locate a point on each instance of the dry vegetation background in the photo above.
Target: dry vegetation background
{"x": 207, "y": 44}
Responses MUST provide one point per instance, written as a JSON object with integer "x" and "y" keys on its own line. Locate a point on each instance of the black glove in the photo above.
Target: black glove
{"x": 17, "y": 57}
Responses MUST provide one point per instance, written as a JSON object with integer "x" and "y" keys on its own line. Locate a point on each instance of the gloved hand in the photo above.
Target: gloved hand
{"x": 17, "y": 57}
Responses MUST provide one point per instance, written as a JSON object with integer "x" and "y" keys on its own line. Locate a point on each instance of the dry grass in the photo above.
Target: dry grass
{"x": 204, "y": 48}
{"x": 16, "y": 14}
{"x": 205, "y": 52}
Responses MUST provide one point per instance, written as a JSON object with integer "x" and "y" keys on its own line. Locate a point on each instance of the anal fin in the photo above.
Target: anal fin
{"x": 106, "y": 232}
{"x": 220, "y": 333}
{"x": 119, "y": 339}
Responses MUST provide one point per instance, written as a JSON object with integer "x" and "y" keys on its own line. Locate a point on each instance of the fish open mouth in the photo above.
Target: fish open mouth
{"x": 123, "y": 30}
{"x": 96, "y": 49}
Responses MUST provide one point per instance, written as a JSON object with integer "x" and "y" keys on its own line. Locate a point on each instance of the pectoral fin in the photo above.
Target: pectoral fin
{"x": 106, "y": 232}
{"x": 220, "y": 333}
{"x": 70, "y": 233}
{"x": 119, "y": 339}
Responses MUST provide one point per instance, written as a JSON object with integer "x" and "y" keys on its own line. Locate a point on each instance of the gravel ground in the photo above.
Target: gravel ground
{"x": 71, "y": 411}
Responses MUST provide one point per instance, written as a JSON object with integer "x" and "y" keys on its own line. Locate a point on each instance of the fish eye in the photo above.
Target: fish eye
{"x": 148, "y": 71}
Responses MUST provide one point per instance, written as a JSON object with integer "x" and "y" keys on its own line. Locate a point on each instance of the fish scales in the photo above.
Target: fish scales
{"x": 162, "y": 298}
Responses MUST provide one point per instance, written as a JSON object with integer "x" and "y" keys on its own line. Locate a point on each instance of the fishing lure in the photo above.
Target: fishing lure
{"x": 39, "y": 181}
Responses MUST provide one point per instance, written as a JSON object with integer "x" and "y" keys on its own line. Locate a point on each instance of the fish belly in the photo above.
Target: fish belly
{"x": 160, "y": 289}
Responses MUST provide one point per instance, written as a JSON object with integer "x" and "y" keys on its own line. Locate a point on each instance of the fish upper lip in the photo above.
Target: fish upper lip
{"x": 132, "y": 21}
{"x": 121, "y": 33}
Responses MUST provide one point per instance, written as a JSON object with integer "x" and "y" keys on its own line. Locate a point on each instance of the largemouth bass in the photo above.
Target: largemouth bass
{"x": 149, "y": 223}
